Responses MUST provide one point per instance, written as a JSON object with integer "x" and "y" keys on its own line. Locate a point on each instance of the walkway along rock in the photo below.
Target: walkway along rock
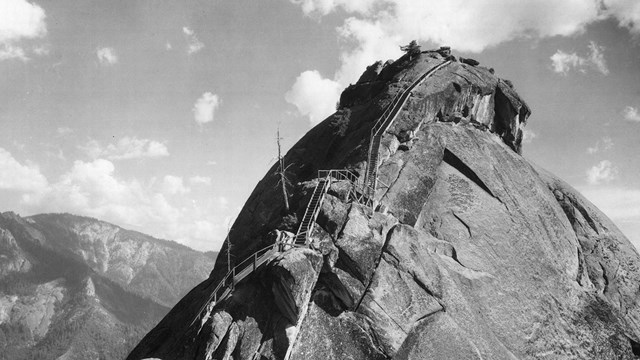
{"x": 444, "y": 242}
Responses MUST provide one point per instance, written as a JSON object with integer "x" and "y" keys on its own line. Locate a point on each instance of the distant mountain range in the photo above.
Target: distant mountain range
{"x": 73, "y": 287}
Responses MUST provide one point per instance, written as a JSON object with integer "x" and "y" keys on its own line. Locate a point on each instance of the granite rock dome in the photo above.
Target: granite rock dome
{"x": 468, "y": 252}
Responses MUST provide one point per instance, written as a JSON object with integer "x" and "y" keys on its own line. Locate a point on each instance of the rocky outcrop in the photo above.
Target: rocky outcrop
{"x": 12, "y": 259}
{"x": 472, "y": 253}
{"x": 33, "y": 312}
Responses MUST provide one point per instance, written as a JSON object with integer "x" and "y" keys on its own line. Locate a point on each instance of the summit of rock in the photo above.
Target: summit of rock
{"x": 469, "y": 252}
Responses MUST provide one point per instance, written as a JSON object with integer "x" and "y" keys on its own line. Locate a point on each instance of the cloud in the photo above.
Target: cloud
{"x": 377, "y": 28}
{"x": 205, "y": 107}
{"x": 200, "y": 180}
{"x": 563, "y": 62}
{"x": 91, "y": 188}
{"x": 94, "y": 189}
{"x": 126, "y": 148}
{"x": 194, "y": 45}
{"x": 603, "y": 172}
{"x": 174, "y": 185}
{"x": 19, "y": 20}
{"x": 630, "y": 113}
{"x": 10, "y": 51}
{"x": 620, "y": 204}
{"x": 64, "y": 131}
{"x": 107, "y": 56}
{"x": 596, "y": 56}
{"x": 455, "y": 23}
{"x": 42, "y": 50}
{"x": 626, "y": 12}
{"x": 528, "y": 136}
{"x": 20, "y": 177}
{"x": 604, "y": 144}
{"x": 314, "y": 96}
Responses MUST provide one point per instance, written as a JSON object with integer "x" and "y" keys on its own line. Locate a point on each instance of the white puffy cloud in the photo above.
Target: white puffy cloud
{"x": 95, "y": 189}
{"x": 528, "y": 136}
{"x": 455, "y": 22}
{"x": 194, "y": 44}
{"x": 174, "y": 185}
{"x": 324, "y": 7}
{"x": 19, "y": 20}
{"x": 604, "y": 144}
{"x": 603, "y": 172}
{"x": 378, "y": 27}
{"x": 596, "y": 57}
{"x": 20, "y": 177}
{"x": 200, "y": 180}
{"x": 107, "y": 56}
{"x": 631, "y": 113}
{"x": 563, "y": 62}
{"x": 10, "y": 51}
{"x": 205, "y": 107}
{"x": 91, "y": 188}
{"x": 314, "y": 96}
{"x": 368, "y": 41}
{"x": 126, "y": 148}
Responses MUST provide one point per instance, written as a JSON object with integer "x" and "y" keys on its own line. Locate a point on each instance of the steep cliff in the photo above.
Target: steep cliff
{"x": 468, "y": 252}
{"x": 78, "y": 288}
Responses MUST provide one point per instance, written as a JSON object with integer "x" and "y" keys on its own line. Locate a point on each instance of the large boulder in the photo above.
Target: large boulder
{"x": 472, "y": 253}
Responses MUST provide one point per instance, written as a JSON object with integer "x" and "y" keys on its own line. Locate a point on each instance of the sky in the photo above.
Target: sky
{"x": 161, "y": 116}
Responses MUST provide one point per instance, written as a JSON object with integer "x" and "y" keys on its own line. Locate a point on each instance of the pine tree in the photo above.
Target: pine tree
{"x": 412, "y": 49}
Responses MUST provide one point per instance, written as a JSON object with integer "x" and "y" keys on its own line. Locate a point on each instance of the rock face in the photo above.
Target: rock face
{"x": 472, "y": 253}
{"x": 157, "y": 269}
{"x": 78, "y": 288}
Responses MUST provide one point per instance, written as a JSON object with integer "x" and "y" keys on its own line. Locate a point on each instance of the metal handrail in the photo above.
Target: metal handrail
{"x": 236, "y": 275}
{"x": 306, "y": 231}
{"x": 401, "y": 97}
{"x": 255, "y": 260}
{"x": 339, "y": 174}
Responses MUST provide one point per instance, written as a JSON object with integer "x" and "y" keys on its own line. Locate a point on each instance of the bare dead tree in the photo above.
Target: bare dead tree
{"x": 227, "y": 240}
{"x": 282, "y": 172}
